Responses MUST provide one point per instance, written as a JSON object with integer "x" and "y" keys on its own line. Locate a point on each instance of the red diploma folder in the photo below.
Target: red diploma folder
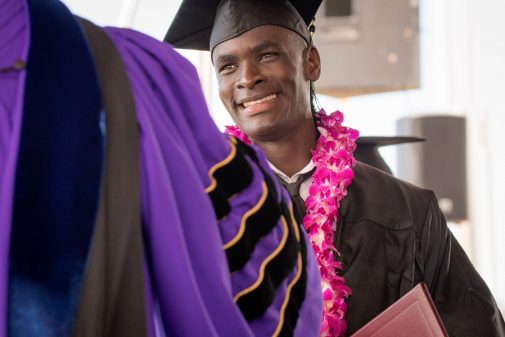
{"x": 413, "y": 315}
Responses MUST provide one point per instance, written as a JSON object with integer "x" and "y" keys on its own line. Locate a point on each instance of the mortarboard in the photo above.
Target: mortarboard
{"x": 203, "y": 24}
{"x": 367, "y": 150}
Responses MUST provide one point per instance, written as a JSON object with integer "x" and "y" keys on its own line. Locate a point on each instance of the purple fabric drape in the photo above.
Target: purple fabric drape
{"x": 14, "y": 44}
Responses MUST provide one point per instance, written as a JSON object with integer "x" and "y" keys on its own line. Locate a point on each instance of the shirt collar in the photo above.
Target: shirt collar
{"x": 295, "y": 177}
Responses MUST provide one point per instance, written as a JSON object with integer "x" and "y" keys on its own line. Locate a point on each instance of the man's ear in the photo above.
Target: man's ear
{"x": 312, "y": 64}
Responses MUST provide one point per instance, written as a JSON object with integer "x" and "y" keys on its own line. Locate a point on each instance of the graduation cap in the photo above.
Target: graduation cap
{"x": 203, "y": 24}
{"x": 367, "y": 150}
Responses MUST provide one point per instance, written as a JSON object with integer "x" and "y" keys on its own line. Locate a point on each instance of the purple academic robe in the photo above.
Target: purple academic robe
{"x": 189, "y": 288}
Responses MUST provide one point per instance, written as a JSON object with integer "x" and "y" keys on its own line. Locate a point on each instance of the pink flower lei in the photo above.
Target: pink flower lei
{"x": 333, "y": 158}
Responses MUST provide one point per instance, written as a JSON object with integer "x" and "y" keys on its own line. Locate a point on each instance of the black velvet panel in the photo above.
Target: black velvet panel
{"x": 58, "y": 175}
{"x": 231, "y": 178}
{"x": 255, "y": 303}
{"x": 257, "y": 225}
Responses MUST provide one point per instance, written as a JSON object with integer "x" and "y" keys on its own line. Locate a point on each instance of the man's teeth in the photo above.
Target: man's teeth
{"x": 264, "y": 99}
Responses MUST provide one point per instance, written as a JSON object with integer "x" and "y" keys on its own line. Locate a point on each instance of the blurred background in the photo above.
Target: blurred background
{"x": 425, "y": 68}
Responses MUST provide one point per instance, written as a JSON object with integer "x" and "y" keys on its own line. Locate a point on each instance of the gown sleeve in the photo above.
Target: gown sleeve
{"x": 462, "y": 298}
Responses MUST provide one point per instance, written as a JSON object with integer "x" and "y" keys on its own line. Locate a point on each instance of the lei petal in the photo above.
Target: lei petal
{"x": 333, "y": 158}
{"x": 236, "y": 132}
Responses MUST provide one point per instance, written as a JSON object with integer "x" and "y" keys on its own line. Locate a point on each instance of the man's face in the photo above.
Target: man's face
{"x": 264, "y": 77}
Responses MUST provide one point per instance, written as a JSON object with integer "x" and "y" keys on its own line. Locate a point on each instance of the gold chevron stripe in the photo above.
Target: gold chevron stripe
{"x": 250, "y": 212}
{"x": 269, "y": 258}
{"x": 215, "y": 167}
{"x": 293, "y": 220}
{"x": 287, "y": 297}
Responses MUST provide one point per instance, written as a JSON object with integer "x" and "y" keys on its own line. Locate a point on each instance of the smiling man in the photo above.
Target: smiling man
{"x": 266, "y": 95}
{"x": 375, "y": 237}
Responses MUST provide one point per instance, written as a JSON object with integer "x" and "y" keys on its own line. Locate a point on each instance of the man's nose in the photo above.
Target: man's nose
{"x": 250, "y": 76}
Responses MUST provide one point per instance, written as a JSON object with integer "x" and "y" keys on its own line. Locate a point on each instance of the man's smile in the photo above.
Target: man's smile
{"x": 254, "y": 105}
{"x": 250, "y": 102}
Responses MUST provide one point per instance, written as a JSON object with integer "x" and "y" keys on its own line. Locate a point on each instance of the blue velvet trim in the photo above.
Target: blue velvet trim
{"x": 58, "y": 175}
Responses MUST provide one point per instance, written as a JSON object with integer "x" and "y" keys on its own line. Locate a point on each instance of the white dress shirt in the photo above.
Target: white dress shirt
{"x": 304, "y": 186}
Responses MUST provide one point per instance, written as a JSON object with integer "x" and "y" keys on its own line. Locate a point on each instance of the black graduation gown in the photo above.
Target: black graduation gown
{"x": 393, "y": 235}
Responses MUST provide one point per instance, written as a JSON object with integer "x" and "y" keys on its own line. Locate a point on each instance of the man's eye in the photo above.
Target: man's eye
{"x": 227, "y": 67}
{"x": 267, "y": 56}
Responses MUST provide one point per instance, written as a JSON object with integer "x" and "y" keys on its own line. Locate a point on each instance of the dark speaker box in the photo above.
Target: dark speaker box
{"x": 439, "y": 163}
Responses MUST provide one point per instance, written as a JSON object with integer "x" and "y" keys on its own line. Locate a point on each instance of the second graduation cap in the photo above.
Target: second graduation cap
{"x": 367, "y": 150}
{"x": 203, "y": 24}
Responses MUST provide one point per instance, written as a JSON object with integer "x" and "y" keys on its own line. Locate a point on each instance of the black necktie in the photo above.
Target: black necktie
{"x": 294, "y": 192}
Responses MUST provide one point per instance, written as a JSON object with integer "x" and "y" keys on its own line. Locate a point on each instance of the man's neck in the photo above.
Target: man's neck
{"x": 291, "y": 153}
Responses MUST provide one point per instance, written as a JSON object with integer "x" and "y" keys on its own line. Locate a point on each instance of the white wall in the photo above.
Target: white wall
{"x": 487, "y": 150}
{"x": 151, "y": 17}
